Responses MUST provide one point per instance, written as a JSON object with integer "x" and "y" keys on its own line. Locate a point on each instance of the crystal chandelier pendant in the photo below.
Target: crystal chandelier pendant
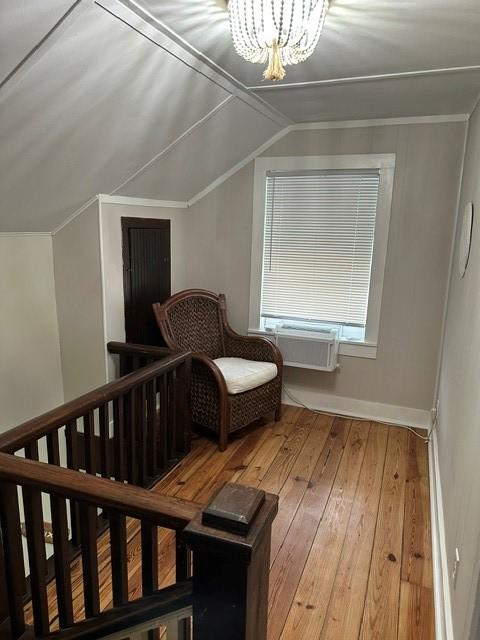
{"x": 276, "y": 32}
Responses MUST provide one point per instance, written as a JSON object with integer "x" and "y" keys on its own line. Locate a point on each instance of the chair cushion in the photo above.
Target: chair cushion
{"x": 242, "y": 375}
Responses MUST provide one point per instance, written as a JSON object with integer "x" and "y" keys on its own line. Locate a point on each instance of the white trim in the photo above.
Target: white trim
{"x": 380, "y": 122}
{"x": 148, "y": 26}
{"x": 141, "y": 202}
{"x": 176, "y": 142}
{"x": 74, "y": 215}
{"x": 22, "y": 234}
{"x": 44, "y": 45}
{"x": 370, "y": 78}
{"x": 240, "y": 165}
{"x": 102, "y": 284}
{"x": 441, "y": 583}
{"x": 450, "y": 269}
{"x": 401, "y": 416}
{"x": 386, "y": 164}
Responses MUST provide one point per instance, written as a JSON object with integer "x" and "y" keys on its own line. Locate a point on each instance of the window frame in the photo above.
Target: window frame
{"x": 385, "y": 163}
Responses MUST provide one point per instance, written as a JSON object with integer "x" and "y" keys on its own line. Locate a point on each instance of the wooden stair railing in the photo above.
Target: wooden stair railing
{"x": 128, "y": 431}
{"x": 119, "y": 501}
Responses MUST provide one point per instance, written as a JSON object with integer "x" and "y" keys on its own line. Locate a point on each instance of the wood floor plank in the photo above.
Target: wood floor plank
{"x": 338, "y": 515}
{"x": 416, "y": 617}
{"x": 299, "y": 479}
{"x": 287, "y": 568}
{"x": 417, "y": 536}
{"x": 307, "y": 615}
{"x": 235, "y": 463}
{"x": 292, "y": 418}
{"x": 380, "y": 618}
{"x": 345, "y": 610}
{"x": 283, "y": 462}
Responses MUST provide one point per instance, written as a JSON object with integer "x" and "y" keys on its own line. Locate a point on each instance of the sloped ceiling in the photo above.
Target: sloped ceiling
{"x": 148, "y": 98}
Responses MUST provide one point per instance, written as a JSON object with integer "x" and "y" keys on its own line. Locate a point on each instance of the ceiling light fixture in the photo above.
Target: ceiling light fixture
{"x": 280, "y": 32}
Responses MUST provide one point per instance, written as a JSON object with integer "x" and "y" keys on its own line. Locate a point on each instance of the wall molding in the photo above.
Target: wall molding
{"x": 441, "y": 583}
{"x": 352, "y": 407}
{"x": 380, "y": 122}
{"x": 331, "y": 124}
{"x": 76, "y": 213}
{"x": 370, "y": 78}
{"x": 141, "y": 202}
{"x": 176, "y": 142}
{"x": 24, "y": 234}
{"x": 148, "y": 26}
{"x": 240, "y": 165}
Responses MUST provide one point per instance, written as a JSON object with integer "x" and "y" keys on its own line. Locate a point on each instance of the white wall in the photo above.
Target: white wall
{"x": 79, "y": 303}
{"x": 112, "y": 260}
{"x": 459, "y": 408}
{"x": 423, "y": 211}
{"x": 30, "y": 371}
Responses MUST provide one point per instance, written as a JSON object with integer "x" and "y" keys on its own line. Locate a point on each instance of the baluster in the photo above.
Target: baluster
{"x": 71, "y": 438}
{"x": 142, "y": 432}
{"x": 13, "y": 556}
{"x": 119, "y": 438}
{"x": 32, "y": 506}
{"x": 89, "y": 440}
{"x": 3, "y": 585}
{"x": 182, "y": 409}
{"x": 63, "y": 578}
{"x": 152, "y": 428}
{"x": 183, "y": 571}
{"x": 131, "y": 425}
{"x": 119, "y": 559}
{"x": 149, "y": 534}
{"x": 104, "y": 441}
{"x": 163, "y": 431}
{"x": 88, "y": 531}
{"x": 172, "y": 414}
{"x": 124, "y": 369}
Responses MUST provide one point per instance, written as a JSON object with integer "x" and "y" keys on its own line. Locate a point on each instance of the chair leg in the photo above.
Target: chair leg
{"x": 278, "y": 413}
{"x": 223, "y": 437}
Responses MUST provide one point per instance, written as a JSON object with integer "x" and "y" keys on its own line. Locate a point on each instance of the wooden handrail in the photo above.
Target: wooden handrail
{"x": 123, "y": 618}
{"x": 130, "y": 348}
{"x": 159, "y": 509}
{"x": 20, "y": 436}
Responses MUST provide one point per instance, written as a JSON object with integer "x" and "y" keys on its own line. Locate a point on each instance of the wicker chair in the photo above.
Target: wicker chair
{"x": 196, "y": 320}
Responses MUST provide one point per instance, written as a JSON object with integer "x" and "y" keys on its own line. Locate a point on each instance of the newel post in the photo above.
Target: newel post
{"x": 230, "y": 540}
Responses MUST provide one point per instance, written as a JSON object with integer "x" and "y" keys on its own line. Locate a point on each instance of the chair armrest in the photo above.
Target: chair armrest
{"x": 206, "y": 366}
{"x": 252, "y": 348}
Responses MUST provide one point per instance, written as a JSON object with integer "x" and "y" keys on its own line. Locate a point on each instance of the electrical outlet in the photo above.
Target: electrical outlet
{"x": 456, "y": 564}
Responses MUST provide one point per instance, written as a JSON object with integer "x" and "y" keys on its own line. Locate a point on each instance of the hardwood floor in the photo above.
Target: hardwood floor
{"x": 351, "y": 549}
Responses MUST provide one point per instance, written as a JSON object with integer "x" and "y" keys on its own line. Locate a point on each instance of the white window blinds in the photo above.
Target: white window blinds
{"x": 318, "y": 245}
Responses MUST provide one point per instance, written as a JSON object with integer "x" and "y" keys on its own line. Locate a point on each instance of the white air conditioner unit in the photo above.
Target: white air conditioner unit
{"x": 307, "y": 348}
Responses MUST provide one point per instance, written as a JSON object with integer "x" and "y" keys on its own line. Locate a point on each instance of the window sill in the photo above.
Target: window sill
{"x": 346, "y": 347}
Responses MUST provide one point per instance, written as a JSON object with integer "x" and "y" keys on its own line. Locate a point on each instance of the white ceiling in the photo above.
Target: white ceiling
{"x": 360, "y": 37}
{"x": 148, "y": 98}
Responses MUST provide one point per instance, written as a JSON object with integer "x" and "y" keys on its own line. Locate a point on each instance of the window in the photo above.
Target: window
{"x": 319, "y": 244}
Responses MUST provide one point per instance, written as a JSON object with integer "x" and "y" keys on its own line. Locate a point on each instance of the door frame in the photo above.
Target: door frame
{"x": 137, "y": 223}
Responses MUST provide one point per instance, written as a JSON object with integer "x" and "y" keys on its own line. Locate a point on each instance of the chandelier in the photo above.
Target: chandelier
{"x": 280, "y": 32}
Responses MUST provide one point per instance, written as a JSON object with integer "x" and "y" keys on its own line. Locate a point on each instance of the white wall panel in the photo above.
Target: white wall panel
{"x": 216, "y": 146}
{"x": 97, "y": 105}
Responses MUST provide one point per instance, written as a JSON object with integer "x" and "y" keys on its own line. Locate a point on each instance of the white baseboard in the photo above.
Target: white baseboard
{"x": 403, "y": 416}
{"x": 441, "y": 584}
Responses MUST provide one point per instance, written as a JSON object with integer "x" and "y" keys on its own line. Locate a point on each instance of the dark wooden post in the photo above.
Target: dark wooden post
{"x": 230, "y": 540}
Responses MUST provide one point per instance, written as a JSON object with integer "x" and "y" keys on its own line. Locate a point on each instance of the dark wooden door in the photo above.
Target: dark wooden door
{"x": 146, "y": 276}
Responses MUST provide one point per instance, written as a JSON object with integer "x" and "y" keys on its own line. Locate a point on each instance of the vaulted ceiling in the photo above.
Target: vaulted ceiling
{"x": 149, "y": 99}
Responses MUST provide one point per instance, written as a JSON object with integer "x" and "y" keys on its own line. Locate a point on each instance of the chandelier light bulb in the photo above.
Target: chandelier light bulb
{"x": 277, "y": 32}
